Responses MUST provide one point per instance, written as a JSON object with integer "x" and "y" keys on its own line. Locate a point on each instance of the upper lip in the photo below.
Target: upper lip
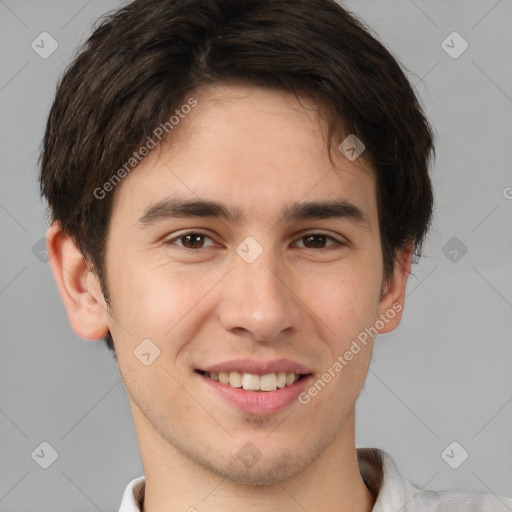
{"x": 258, "y": 367}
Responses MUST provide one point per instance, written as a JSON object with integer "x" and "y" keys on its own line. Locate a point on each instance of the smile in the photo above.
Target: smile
{"x": 253, "y": 382}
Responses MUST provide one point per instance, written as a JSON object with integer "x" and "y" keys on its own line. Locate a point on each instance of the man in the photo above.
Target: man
{"x": 237, "y": 192}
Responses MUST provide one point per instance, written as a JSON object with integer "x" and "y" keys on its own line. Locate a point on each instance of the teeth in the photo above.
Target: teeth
{"x": 235, "y": 379}
{"x": 281, "y": 380}
{"x": 252, "y": 382}
{"x": 268, "y": 382}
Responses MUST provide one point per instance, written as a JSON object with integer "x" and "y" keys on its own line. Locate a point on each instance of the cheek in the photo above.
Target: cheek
{"x": 155, "y": 301}
{"x": 348, "y": 309}
{"x": 153, "y": 305}
{"x": 345, "y": 300}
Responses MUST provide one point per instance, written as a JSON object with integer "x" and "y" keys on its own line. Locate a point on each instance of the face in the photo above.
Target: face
{"x": 281, "y": 278}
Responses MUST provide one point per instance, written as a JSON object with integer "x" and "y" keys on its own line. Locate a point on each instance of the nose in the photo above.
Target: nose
{"x": 257, "y": 300}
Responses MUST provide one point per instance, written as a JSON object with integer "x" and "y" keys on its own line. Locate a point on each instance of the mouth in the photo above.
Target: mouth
{"x": 254, "y": 382}
{"x": 255, "y": 386}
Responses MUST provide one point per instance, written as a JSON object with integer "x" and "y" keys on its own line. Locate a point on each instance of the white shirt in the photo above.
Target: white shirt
{"x": 394, "y": 492}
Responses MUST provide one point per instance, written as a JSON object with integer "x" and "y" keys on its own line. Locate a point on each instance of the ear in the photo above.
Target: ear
{"x": 392, "y": 300}
{"x": 78, "y": 286}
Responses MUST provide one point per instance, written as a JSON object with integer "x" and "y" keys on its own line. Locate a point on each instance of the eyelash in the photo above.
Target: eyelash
{"x": 337, "y": 243}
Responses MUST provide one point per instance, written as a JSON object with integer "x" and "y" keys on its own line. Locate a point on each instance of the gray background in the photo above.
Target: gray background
{"x": 444, "y": 375}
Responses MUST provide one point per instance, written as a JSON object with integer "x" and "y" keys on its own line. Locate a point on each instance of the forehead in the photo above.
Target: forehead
{"x": 253, "y": 148}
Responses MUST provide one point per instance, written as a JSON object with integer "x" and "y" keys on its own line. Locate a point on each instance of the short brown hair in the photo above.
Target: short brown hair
{"x": 142, "y": 60}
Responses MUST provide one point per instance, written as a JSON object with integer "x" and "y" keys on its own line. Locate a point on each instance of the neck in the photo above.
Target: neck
{"x": 331, "y": 482}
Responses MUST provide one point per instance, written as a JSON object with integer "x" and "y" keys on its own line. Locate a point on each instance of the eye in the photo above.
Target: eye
{"x": 197, "y": 240}
{"x": 190, "y": 240}
{"x": 319, "y": 241}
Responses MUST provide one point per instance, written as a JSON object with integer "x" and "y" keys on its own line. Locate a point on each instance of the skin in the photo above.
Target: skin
{"x": 255, "y": 149}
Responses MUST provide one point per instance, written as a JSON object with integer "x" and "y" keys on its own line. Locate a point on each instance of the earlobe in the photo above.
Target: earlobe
{"x": 78, "y": 286}
{"x": 393, "y": 297}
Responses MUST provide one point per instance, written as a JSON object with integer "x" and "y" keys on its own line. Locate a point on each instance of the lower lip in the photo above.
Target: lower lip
{"x": 259, "y": 402}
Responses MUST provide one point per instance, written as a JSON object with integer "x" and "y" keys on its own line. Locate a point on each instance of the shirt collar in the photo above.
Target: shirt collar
{"x": 133, "y": 495}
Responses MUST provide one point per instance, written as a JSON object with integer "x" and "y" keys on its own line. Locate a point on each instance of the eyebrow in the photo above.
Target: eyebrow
{"x": 170, "y": 208}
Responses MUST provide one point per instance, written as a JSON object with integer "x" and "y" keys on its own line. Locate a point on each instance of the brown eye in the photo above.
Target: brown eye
{"x": 191, "y": 240}
{"x": 319, "y": 241}
{"x": 194, "y": 241}
{"x": 315, "y": 241}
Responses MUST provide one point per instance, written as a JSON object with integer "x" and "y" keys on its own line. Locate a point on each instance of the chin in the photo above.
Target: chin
{"x": 266, "y": 471}
{"x": 252, "y": 466}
